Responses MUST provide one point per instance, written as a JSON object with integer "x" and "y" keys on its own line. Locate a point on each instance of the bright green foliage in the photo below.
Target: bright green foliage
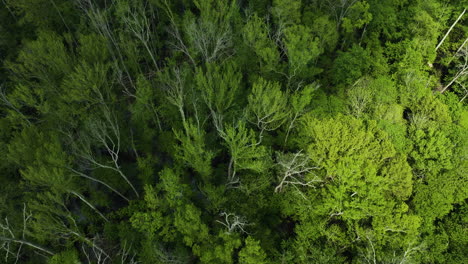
{"x": 354, "y": 137}
{"x": 192, "y": 149}
{"x": 267, "y": 105}
{"x": 207, "y": 131}
{"x": 358, "y": 16}
{"x": 219, "y": 250}
{"x": 252, "y": 252}
{"x": 302, "y": 48}
{"x": 45, "y": 59}
{"x": 301, "y": 98}
{"x": 366, "y": 182}
{"x": 455, "y": 226}
{"x": 323, "y": 27}
{"x": 256, "y": 35}
{"x": 244, "y": 148}
{"x": 40, "y": 67}
{"x": 432, "y": 152}
{"x": 67, "y": 257}
{"x": 287, "y": 11}
{"x": 219, "y": 86}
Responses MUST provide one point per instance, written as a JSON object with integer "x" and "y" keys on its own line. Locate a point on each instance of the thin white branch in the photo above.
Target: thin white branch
{"x": 450, "y": 29}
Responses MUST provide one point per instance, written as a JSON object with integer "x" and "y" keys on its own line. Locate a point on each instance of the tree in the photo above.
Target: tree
{"x": 302, "y": 49}
{"x": 293, "y": 168}
{"x": 193, "y": 150}
{"x": 252, "y": 252}
{"x": 106, "y": 133}
{"x": 267, "y": 106}
{"x": 245, "y": 151}
{"x": 219, "y": 86}
{"x": 257, "y": 36}
{"x": 462, "y": 67}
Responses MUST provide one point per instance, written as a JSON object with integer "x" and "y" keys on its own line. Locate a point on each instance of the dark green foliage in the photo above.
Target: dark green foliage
{"x": 206, "y": 131}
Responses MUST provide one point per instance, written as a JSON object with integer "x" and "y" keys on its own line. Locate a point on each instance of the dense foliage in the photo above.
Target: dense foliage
{"x": 234, "y": 131}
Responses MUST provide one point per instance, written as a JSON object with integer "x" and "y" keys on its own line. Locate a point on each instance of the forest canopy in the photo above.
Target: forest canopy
{"x": 234, "y": 131}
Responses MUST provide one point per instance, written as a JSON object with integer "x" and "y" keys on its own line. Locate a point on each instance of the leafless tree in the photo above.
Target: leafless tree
{"x": 234, "y": 222}
{"x": 360, "y": 96}
{"x": 140, "y": 26}
{"x": 99, "y": 21}
{"x": 461, "y": 47}
{"x": 450, "y": 29}
{"x": 465, "y": 90}
{"x": 93, "y": 251}
{"x": 462, "y": 67}
{"x": 211, "y": 41}
{"x": 174, "y": 87}
{"x": 125, "y": 255}
{"x": 340, "y": 9}
{"x": 80, "y": 174}
{"x": 409, "y": 252}
{"x": 293, "y": 168}
{"x": 371, "y": 255}
{"x": 299, "y": 109}
{"x": 178, "y": 43}
{"x": 166, "y": 255}
{"x": 8, "y": 237}
{"x": 106, "y": 132}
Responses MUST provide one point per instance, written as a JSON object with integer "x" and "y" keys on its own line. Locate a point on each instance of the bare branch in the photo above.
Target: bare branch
{"x": 107, "y": 133}
{"x": 450, "y": 29}
{"x": 234, "y": 222}
{"x": 293, "y": 168}
{"x": 9, "y": 237}
{"x": 462, "y": 67}
{"x": 89, "y": 204}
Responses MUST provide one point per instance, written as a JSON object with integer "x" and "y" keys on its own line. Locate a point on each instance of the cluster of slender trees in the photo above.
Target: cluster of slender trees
{"x": 237, "y": 131}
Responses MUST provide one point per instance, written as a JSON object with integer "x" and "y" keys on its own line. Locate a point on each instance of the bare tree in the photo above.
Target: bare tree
{"x": 8, "y": 237}
{"x": 462, "y": 67}
{"x": 81, "y": 197}
{"x": 174, "y": 87}
{"x": 93, "y": 251}
{"x": 450, "y": 29}
{"x": 267, "y": 107}
{"x": 464, "y": 90}
{"x": 372, "y": 254}
{"x": 106, "y": 132}
{"x": 100, "y": 22}
{"x": 178, "y": 43}
{"x": 125, "y": 255}
{"x": 293, "y": 169}
{"x": 461, "y": 46}
{"x": 202, "y": 37}
{"x": 233, "y": 222}
{"x": 139, "y": 25}
{"x": 410, "y": 250}
{"x": 299, "y": 101}
{"x": 167, "y": 255}
{"x": 360, "y": 96}
{"x": 211, "y": 41}
{"x": 370, "y": 257}
{"x": 244, "y": 149}
{"x": 340, "y": 9}
{"x": 78, "y": 173}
